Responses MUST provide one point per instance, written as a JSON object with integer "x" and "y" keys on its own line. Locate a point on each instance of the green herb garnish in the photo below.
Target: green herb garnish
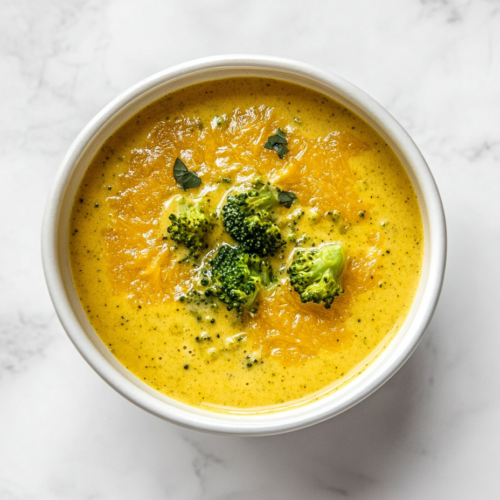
{"x": 277, "y": 143}
{"x": 286, "y": 198}
{"x": 184, "y": 177}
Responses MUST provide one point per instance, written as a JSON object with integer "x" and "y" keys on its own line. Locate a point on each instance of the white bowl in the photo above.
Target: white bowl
{"x": 56, "y": 255}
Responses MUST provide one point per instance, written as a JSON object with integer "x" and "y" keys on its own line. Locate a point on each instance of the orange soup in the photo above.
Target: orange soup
{"x": 145, "y": 292}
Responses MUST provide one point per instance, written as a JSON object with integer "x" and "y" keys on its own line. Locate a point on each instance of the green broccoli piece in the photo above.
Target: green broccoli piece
{"x": 247, "y": 219}
{"x": 315, "y": 274}
{"x": 190, "y": 226}
{"x": 236, "y": 277}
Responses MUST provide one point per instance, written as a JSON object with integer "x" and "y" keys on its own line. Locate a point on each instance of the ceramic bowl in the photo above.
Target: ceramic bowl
{"x": 57, "y": 266}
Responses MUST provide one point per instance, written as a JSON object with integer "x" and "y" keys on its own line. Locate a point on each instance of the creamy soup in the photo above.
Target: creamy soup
{"x": 131, "y": 277}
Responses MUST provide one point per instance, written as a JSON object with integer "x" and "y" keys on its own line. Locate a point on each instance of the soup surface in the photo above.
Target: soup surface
{"x": 130, "y": 276}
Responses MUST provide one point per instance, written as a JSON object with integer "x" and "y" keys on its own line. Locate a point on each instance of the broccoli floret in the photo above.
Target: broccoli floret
{"x": 262, "y": 269}
{"x": 190, "y": 226}
{"x": 247, "y": 219}
{"x": 236, "y": 277}
{"x": 315, "y": 274}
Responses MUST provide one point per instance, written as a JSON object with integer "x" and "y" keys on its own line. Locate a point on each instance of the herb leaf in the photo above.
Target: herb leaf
{"x": 286, "y": 198}
{"x": 184, "y": 177}
{"x": 277, "y": 143}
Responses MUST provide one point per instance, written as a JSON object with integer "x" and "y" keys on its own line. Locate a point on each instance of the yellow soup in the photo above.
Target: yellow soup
{"x": 130, "y": 275}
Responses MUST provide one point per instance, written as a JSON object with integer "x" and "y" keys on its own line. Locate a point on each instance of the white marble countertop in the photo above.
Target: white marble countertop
{"x": 431, "y": 432}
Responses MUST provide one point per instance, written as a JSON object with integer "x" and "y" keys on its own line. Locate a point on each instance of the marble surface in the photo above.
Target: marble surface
{"x": 432, "y": 431}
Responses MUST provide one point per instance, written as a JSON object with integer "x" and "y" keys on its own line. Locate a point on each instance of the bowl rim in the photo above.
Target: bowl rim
{"x": 325, "y": 407}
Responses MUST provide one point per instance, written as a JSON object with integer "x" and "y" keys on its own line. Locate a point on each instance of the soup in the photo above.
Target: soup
{"x": 333, "y": 183}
